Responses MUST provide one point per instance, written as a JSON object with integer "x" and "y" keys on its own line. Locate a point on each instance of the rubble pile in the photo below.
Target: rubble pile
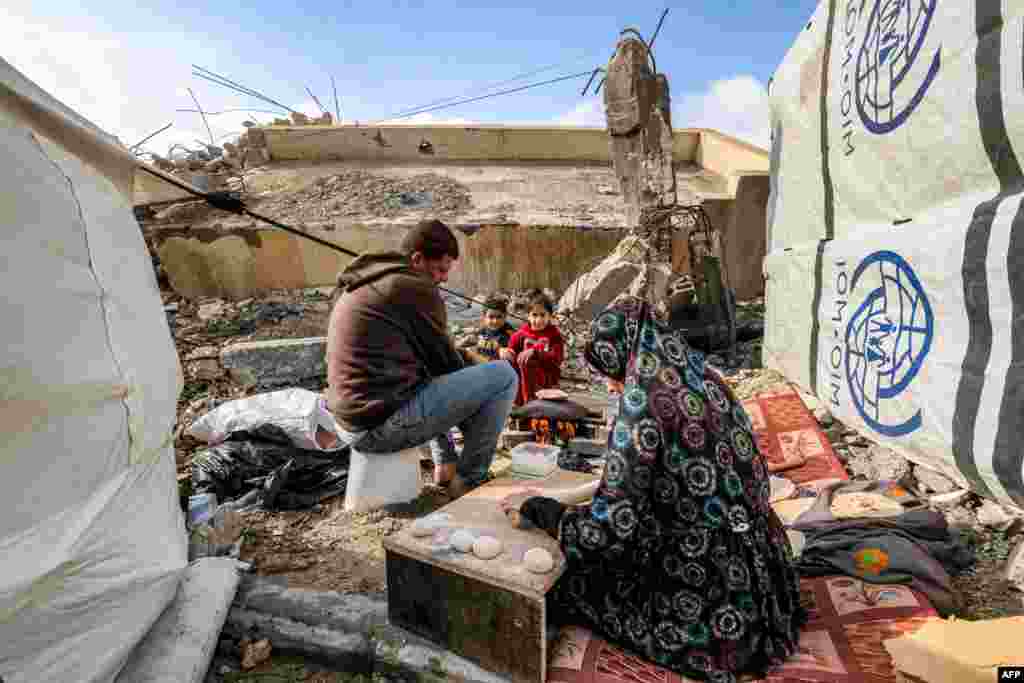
{"x": 361, "y": 193}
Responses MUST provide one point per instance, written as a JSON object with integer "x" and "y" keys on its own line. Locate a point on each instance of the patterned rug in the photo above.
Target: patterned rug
{"x": 842, "y": 643}
{"x": 787, "y": 431}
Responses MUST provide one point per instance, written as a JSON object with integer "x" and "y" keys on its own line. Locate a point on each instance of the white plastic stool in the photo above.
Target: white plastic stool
{"x": 379, "y": 479}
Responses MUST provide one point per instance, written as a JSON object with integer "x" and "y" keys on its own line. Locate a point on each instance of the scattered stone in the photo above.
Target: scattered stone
{"x": 209, "y": 311}
{"x": 254, "y": 654}
{"x": 993, "y": 516}
{"x": 206, "y": 369}
{"x": 931, "y": 481}
{"x": 823, "y": 416}
{"x": 276, "y": 362}
{"x": 1015, "y": 566}
{"x": 203, "y": 352}
{"x": 877, "y": 462}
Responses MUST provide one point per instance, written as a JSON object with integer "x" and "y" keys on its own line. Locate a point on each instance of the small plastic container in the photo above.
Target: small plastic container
{"x": 534, "y": 460}
{"x": 201, "y": 508}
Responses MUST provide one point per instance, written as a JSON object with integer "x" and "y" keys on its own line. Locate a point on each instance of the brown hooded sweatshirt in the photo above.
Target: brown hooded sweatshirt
{"x": 387, "y": 337}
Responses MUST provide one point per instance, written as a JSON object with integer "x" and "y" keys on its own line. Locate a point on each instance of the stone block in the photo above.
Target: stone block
{"x": 349, "y": 613}
{"x": 349, "y": 651}
{"x": 277, "y": 362}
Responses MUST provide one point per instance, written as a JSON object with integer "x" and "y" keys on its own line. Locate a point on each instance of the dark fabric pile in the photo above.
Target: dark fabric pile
{"x": 916, "y": 548}
{"x": 264, "y": 461}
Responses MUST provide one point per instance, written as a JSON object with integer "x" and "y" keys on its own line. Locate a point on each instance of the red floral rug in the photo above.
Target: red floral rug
{"x": 786, "y": 431}
{"x": 842, "y": 643}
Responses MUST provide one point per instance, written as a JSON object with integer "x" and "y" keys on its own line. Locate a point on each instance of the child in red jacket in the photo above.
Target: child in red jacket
{"x": 537, "y": 351}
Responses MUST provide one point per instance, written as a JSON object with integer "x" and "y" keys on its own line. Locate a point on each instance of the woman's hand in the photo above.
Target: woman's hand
{"x": 507, "y": 354}
{"x": 514, "y": 500}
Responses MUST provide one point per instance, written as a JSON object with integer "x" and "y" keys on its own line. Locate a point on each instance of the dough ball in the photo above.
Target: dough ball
{"x": 487, "y": 547}
{"x": 538, "y": 560}
{"x": 423, "y": 527}
{"x": 462, "y": 540}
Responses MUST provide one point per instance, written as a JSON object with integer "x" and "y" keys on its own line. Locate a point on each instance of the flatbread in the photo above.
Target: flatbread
{"x": 864, "y": 504}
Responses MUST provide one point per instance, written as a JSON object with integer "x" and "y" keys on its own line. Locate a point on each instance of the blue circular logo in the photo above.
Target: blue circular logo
{"x": 887, "y": 339}
{"x": 887, "y": 87}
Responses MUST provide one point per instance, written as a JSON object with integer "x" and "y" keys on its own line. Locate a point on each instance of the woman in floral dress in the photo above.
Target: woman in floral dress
{"x": 679, "y": 557}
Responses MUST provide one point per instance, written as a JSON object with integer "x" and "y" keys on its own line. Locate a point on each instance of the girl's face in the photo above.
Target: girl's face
{"x": 539, "y": 317}
{"x": 615, "y": 386}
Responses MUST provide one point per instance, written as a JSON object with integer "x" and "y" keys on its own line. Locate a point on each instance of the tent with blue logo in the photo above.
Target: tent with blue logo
{"x": 895, "y": 265}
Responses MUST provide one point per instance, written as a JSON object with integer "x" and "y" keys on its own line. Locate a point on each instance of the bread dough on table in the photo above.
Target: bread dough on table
{"x": 426, "y": 526}
{"x": 539, "y": 560}
{"x": 462, "y": 540}
{"x": 487, "y": 547}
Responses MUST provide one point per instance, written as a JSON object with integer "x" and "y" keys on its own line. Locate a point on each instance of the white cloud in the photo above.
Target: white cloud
{"x": 737, "y": 106}
{"x": 588, "y": 113}
{"x": 431, "y": 118}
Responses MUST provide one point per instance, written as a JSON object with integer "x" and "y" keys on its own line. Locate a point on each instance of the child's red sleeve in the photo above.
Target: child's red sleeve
{"x": 516, "y": 341}
{"x": 556, "y": 349}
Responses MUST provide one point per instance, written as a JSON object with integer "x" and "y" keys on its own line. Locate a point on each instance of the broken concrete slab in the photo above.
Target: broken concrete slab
{"x": 349, "y": 651}
{"x": 276, "y": 362}
{"x": 400, "y": 651}
{"x": 951, "y": 499}
{"x": 994, "y": 516}
{"x": 617, "y": 273}
{"x": 876, "y": 462}
{"x": 183, "y": 640}
{"x": 352, "y": 613}
{"x": 932, "y": 481}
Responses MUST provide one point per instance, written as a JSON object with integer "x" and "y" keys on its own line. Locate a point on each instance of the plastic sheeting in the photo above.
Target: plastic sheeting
{"x": 92, "y": 539}
{"x": 895, "y": 281}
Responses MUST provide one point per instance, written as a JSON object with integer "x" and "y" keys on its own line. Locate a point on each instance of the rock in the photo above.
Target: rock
{"x": 823, "y": 416}
{"x": 203, "y": 352}
{"x": 539, "y": 560}
{"x": 593, "y": 291}
{"x": 933, "y": 482}
{"x": 953, "y": 498}
{"x": 877, "y": 462}
{"x": 254, "y": 654}
{"x": 211, "y": 310}
{"x": 206, "y": 369}
{"x": 1014, "y": 572}
{"x": 993, "y": 516}
{"x": 276, "y": 362}
{"x": 348, "y": 651}
{"x": 487, "y": 547}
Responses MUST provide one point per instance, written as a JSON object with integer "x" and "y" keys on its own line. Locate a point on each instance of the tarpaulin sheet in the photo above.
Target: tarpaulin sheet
{"x": 895, "y": 288}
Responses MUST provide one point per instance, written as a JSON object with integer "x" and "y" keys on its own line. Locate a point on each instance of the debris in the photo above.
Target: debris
{"x": 211, "y": 310}
{"x": 276, "y": 362}
{"x": 931, "y": 481}
{"x": 254, "y": 654}
{"x": 1015, "y": 566}
{"x": 876, "y": 463}
{"x": 945, "y": 500}
{"x": 993, "y": 516}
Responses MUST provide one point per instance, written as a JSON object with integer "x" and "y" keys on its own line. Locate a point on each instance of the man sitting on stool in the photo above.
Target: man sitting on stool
{"x": 395, "y": 380}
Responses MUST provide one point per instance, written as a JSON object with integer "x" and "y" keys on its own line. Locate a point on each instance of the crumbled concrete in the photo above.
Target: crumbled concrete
{"x": 1015, "y": 566}
{"x": 994, "y": 516}
{"x": 931, "y": 481}
{"x": 352, "y": 613}
{"x": 398, "y": 649}
{"x": 349, "y": 651}
{"x": 180, "y": 646}
{"x": 876, "y": 462}
{"x": 276, "y": 362}
{"x": 617, "y": 273}
{"x": 951, "y": 499}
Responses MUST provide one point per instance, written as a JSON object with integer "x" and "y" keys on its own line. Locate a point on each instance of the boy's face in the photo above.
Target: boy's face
{"x": 539, "y": 317}
{"x": 494, "y": 320}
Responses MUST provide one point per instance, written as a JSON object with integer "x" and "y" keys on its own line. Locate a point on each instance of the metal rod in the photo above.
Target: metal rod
{"x": 317, "y": 100}
{"x": 203, "y": 114}
{"x": 150, "y": 136}
{"x": 239, "y": 90}
{"x": 337, "y": 107}
{"x": 250, "y": 90}
{"x": 650, "y": 45}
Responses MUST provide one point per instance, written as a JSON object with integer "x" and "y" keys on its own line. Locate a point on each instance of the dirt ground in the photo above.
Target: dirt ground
{"x": 326, "y": 548}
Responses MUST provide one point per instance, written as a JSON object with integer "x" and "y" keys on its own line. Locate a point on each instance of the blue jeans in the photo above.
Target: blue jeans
{"x": 477, "y": 400}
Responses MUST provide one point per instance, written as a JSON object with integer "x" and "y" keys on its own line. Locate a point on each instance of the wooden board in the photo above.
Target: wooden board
{"x": 489, "y": 611}
{"x": 478, "y": 512}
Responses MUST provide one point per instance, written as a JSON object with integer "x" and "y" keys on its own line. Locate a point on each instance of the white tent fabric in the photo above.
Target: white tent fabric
{"x": 92, "y": 539}
{"x": 895, "y": 266}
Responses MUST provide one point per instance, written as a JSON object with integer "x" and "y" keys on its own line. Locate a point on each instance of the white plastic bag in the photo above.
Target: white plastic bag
{"x": 300, "y": 413}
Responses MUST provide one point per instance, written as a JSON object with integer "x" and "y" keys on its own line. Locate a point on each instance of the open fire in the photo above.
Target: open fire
{"x": 541, "y": 428}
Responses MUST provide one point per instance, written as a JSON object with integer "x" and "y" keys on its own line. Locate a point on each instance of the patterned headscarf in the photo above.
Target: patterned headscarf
{"x": 613, "y": 337}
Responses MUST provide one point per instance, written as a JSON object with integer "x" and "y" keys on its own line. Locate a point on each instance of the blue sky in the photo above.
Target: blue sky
{"x": 126, "y": 67}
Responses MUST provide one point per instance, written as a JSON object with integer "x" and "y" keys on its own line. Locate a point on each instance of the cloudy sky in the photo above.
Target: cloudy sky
{"x": 128, "y": 66}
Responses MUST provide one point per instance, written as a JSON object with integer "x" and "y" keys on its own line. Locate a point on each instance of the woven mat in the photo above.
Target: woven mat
{"x": 842, "y": 643}
{"x": 786, "y": 431}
